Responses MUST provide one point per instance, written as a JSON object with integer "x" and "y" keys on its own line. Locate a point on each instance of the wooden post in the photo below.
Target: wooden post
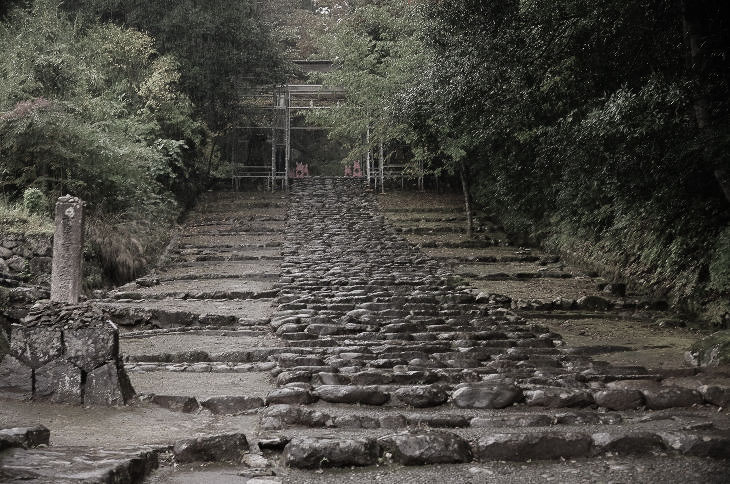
{"x": 382, "y": 169}
{"x": 287, "y": 154}
{"x": 367, "y": 142}
{"x": 273, "y": 142}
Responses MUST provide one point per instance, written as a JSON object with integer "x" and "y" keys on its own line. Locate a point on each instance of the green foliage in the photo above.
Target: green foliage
{"x": 378, "y": 54}
{"x": 720, "y": 264}
{"x": 222, "y": 46}
{"x": 14, "y": 218}
{"x": 91, "y": 110}
{"x": 578, "y": 120}
{"x": 35, "y": 201}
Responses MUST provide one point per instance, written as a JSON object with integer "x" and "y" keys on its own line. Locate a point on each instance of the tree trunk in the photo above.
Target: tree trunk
{"x": 467, "y": 199}
{"x": 210, "y": 158}
{"x": 697, "y": 23}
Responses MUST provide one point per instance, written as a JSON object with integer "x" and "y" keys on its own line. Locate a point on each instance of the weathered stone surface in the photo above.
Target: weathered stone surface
{"x": 176, "y": 403}
{"x": 286, "y": 377}
{"x": 716, "y": 394}
{"x": 290, "y": 395}
{"x": 35, "y": 346}
{"x": 26, "y": 436}
{"x": 352, "y": 394}
{"x": 59, "y": 381}
{"x": 520, "y": 447}
{"x": 324, "y": 378}
{"x": 392, "y": 421}
{"x": 312, "y": 452}
{"x": 513, "y": 421}
{"x": 16, "y": 263}
{"x": 217, "y": 448}
{"x": 437, "y": 420}
{"x": 4, "y": 343}
{"x": 108, "y": 385}
{"x": 15, "y": 378}
{"x": 231, "y": 405}
{"x": 629, "y": 443}
{"x": 425, "y": 448}
{"x": 293, "y": 361}
{"x": 668, "y": 397}
{"x": 8, "y": 441}
{"x": 280, "y": 416}
{"x": 713, "y": 350}
{"x": 39, "y": 266}
{"x": 619, "y": 399}
{"x": 421, "y": 396}
{"x": 256, "y": 461}
{"x": 68, "y": 247}
{"x": 356, "y": 422}
{"x": 593, "y": 302}
{"x": 273, "y": 443}
{"x": 91, "y": 347}
{"x": 479, "y": 396}
{"x": 558, "y": 398}
{"x": 716, "y": 445}
{"x": 66, "y": 465}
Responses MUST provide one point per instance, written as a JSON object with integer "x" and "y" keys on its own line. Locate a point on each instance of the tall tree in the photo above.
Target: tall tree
{"x": 223, "y": 46}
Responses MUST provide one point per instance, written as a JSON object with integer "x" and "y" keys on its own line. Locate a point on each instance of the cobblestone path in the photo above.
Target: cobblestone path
{"x": 381, "y": 337}
{"x": 309, "y": 342}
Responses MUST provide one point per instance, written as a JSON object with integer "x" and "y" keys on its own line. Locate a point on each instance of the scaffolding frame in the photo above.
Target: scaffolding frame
{"x": 284, "y": 102}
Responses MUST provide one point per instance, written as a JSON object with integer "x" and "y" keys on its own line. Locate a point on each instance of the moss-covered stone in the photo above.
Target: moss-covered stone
{"x": 713, "y": 350}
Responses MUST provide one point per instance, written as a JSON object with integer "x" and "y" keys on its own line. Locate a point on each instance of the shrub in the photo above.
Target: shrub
{"x": 35, "y": 202}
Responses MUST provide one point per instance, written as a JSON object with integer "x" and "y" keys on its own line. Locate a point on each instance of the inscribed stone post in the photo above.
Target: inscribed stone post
{"x": 67, "y": 250}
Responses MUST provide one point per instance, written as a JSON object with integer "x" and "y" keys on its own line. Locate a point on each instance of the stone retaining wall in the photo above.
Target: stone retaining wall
{"x": 65, "y": 354}
{"x": 26, "y": 257}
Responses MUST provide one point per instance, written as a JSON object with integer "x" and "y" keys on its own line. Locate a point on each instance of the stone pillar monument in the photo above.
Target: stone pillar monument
{"x": 68, "y": 244}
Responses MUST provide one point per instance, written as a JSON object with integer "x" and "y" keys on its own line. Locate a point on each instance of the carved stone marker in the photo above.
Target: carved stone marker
{"x": 68, "y": 246}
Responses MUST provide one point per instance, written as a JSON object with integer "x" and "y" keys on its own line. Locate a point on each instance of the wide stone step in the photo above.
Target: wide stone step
{"x": 166, "y": 313}
{"x": 422, "y": 448}
{"x": 203, "y": 385}
{"x": 79, "y": 464}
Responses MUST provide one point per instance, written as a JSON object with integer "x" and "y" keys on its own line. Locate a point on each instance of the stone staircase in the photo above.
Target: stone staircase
{"x": 377, "y": 330}
{"x": 293, "y": 340}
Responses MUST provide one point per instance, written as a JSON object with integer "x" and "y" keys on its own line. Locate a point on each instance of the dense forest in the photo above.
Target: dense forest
{"x": 121, "y": 103}
{"x": 598, "y": 129}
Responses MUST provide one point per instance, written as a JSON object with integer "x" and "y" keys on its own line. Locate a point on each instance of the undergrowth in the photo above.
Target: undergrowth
{"x": 689, "y": 264}
{"x": 121, "y": 248}
{"x": 16, "y": 219}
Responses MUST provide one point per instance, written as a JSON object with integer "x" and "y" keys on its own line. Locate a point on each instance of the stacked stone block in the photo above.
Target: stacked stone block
{"x": 25, "y": 256}
{"x": 64, "y": 354}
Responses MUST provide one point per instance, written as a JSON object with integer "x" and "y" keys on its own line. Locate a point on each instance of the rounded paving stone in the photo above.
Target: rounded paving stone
{"x": 313, "y": 452}
{"x": 421, "y": 396}
{"x": 619, "y": 399}
{"x": 291, "y": 395}
{"x": 499, "y": 396}
{"x": 426, "y": 448}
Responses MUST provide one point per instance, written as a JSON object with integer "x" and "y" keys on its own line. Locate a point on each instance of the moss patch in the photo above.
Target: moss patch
{"x": 713, "y": 350}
